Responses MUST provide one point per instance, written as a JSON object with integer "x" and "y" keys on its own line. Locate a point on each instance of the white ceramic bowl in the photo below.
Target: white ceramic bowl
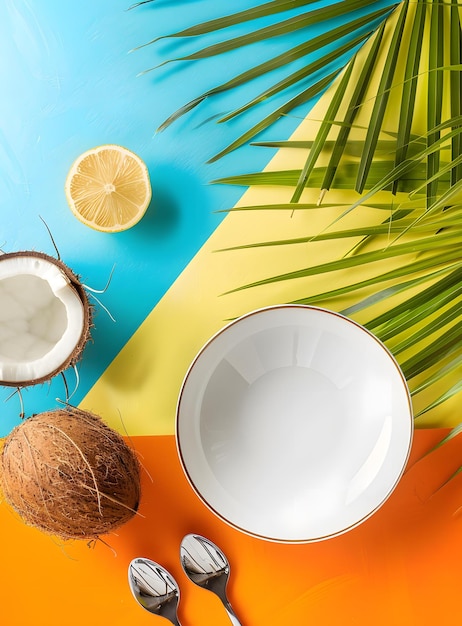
{"x": 294, "y": 423}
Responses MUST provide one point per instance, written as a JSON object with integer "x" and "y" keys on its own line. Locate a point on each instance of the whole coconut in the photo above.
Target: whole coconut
{"x": 69, "y": 474}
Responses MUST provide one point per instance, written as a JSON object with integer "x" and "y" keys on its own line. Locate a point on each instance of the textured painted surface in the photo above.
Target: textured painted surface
{"x": 70, "y": 82}
{"x": 400, "y": 567}
{"x": 206, "y": 294}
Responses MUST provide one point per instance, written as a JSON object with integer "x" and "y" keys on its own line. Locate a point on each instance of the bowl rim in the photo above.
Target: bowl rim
{"x": 215, "y": 511}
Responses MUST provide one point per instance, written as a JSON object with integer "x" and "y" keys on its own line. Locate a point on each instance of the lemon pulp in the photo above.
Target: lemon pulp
{"x": 108, "y": 188}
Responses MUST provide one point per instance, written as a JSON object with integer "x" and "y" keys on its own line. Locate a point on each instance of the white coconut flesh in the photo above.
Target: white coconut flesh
{"x": 42, "y": 318}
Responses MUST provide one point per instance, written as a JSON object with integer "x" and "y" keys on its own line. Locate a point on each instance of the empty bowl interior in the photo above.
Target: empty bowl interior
{"x": 294, "y": 423}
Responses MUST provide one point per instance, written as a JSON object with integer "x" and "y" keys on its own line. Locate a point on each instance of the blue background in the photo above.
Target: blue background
{"x": 71, "y": 80}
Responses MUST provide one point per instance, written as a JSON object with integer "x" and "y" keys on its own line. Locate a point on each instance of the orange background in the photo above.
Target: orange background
{"x": 401, "y": 567}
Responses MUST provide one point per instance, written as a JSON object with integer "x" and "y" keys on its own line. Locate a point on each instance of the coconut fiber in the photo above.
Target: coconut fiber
{"x": 69, "y": 474}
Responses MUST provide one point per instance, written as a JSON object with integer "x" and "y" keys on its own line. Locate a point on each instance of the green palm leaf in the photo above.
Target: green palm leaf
{"x": 270, "y": 8}
{"x": 264, "y": 10}
{"x": 352, "y": 110}
{"x": 448, "y": 343}
{"x": 431, "y": 244}
{"x": 392, "y": 129}
{"x": 438, "y": 323}
{"x": 447, "y": 395}
{"x": 408, "y": 98}
{"x": 284, "y": 27}
{"x": 302, "y": 50}
{"x": 382, "y": 174}
{"x": 297, "y": 76}
{"x": 304, "y": 96}
{"x": 396, "y": 288}
{"x": 367, "y": 24}
{"x": 456, "y": 86}
{"x": 380, "y": 102}
{"x": 453, "y": 365}
{"x": 415, "y": 309}
{"x": 321, "y": 137}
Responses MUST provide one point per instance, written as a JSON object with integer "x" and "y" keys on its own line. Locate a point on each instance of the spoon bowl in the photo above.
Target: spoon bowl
{"x": 154, "y": 588}
{"x": 205, "y": 565}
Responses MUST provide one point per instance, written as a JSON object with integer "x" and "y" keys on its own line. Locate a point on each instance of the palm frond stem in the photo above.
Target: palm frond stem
{"x": 381, "y": 100}
{"x": 409, "y": 92}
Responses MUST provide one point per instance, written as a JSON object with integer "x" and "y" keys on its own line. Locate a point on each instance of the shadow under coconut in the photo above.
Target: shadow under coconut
{"x": 169, "y": 509}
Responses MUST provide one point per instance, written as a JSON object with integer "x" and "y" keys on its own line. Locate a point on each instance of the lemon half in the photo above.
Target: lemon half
{"x": 108, "y": 188}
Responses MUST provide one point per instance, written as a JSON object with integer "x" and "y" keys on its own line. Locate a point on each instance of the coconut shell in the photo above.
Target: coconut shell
{"x": 67, "y": 473}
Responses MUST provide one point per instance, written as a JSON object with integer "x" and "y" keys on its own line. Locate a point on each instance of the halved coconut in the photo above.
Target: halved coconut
{"x": 44, "y": 318}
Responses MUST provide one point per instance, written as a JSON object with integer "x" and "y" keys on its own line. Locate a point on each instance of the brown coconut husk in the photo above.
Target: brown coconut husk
{"x": 77, "y": 286}
{"x": 67, "y": 473}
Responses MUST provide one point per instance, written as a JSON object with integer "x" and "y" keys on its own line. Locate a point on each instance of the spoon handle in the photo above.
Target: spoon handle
{"x": 231, "y": 614}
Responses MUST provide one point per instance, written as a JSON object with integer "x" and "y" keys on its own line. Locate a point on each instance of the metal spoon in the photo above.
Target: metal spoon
{"x": 154, "y": 588}
{"x": 206, "y": 565}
